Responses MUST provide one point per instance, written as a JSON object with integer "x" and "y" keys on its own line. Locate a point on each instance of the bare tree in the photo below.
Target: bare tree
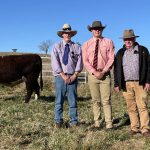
{"x": 45, "y": 45}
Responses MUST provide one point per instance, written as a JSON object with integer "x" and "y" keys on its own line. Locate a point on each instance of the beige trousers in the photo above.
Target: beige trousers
{"x": 137, "y": 100}
{"x": 100, "y": 92}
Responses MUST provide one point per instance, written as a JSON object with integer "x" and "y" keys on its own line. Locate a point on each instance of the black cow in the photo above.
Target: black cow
{"x": 27, "y": 67}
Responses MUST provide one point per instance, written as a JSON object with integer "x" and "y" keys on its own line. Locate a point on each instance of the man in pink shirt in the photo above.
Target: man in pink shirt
{"x": 98, "y": 58}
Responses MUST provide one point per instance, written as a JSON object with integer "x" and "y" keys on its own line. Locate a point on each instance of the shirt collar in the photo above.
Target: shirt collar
{"x": 64, "y": 43}
{"x": 133, "y": 48}
{"x": 95, "y": 39}
{"x": 136, "y": 48}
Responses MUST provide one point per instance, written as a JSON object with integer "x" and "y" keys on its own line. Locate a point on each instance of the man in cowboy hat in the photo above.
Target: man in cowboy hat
{"x": 132, "y": 75}
{"x": 98, "y": 58}
{"x": 66, "y": 60}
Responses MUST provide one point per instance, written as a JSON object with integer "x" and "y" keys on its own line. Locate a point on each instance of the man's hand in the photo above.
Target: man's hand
{"x": 73, "y": 77}
{"x": 117, "y": 89}
{"x": 65, "y": 78}
{"x": 98, "y": 74}
{"x": 147, "y": 87}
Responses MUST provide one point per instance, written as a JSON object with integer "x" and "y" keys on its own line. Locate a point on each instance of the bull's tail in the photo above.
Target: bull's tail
{"x": 41, "y": 81}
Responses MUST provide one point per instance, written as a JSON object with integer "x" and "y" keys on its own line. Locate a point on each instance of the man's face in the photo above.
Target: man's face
{"x": 97, "y": 32}
{"x": 129, "y": 42}
{"x": 66, "y": 37}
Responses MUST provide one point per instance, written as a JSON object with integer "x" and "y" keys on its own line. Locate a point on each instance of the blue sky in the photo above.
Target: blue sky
{"x": 24, "y": 24}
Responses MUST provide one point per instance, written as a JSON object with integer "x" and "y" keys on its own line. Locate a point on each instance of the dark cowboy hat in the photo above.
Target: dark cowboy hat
{"x": 129, "y": 34}
{"x": 95, "y": 24}
{"x": 66, "y": 29}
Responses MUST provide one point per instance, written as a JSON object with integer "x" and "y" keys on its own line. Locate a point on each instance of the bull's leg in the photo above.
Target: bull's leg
{"x": 29, "y": 91}
{"x": 32, "y": 85}
{"x": 36, "y": 88}
{"x": 36, "y": 96}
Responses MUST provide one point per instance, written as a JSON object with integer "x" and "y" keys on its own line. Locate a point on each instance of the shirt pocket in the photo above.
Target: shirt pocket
{"x": 74, "y": 56}
{"x": 104, "y": 51}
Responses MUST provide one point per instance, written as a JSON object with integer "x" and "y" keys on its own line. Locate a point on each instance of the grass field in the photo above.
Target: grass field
{"x": 30, "y": 126}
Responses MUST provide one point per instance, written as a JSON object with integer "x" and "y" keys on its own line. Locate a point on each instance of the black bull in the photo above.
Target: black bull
{"x": 27, "y": 67}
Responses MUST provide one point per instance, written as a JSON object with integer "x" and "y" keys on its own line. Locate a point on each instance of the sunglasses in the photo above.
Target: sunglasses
{"x": 97, "y": 28}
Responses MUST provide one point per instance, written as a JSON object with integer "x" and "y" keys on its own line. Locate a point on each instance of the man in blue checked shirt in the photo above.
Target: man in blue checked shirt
{"x": 66, "y": 60}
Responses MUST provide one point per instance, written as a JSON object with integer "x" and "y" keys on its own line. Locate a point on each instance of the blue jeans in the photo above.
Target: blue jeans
{"x": 62, "y": 90}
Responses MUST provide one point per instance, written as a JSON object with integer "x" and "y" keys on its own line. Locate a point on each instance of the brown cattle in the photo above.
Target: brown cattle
{"x": 17, "y": 67}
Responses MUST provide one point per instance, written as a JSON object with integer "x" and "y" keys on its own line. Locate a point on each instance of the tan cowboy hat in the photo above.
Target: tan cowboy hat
{"x": 66, "y": 29}
{"x": 129, "y": 33}
{"x": 95, "y": 24}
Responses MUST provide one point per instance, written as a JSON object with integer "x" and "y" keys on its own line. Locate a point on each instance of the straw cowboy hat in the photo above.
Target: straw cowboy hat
{"x": 129, "y": 34}
{"x": 95, "y": 24}
{"x": 66, "y": 29}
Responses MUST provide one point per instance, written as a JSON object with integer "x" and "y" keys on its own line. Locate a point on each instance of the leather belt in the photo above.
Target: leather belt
{"x": 68, "y": 74}
{"x": 105, "y": 74}
{"x": 132, "y": 80}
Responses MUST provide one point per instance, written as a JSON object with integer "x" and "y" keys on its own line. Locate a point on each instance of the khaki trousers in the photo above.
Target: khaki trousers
{"x": 100, "y": 92}
{"x": 137, "y": 100}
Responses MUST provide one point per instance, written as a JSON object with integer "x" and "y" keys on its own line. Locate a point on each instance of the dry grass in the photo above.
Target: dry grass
{"x": 30, "y": 126}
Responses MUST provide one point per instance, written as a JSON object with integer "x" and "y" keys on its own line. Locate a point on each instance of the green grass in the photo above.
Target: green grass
{"x": 30, "y": 126}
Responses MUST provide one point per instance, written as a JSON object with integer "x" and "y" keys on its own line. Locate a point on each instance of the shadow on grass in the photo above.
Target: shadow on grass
{"x": 66, "y": 124}
{"x": 42, "y": 98}
{"x": 47, "y": 99}
{"x": 84, "y": 98}
{"x": 122, "y": 121}
{"x": 12, "y": 98}
{"x": 52, "y": 98}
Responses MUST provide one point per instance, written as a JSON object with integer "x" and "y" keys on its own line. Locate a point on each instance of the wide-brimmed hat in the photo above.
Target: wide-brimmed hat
{"x": 96, "y": 24}
{"x": 66, "y": 29}
{"x": 129, "y": 33}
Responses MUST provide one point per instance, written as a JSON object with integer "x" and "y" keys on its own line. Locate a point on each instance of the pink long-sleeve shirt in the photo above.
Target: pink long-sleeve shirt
{"x": 105, "y": 54}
